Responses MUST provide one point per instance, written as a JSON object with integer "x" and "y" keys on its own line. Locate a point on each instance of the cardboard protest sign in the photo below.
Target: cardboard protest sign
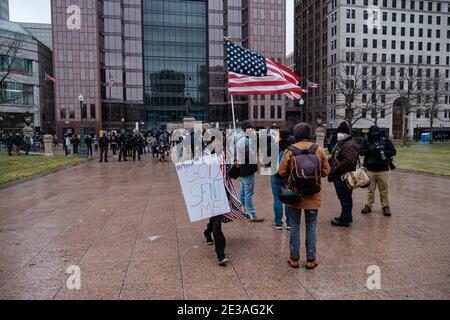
{"x": 203, "y": 188}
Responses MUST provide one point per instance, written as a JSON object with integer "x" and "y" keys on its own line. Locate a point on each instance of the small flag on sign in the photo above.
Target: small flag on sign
{"x": 48, "y": 77}
{"x": 312, "y": 85}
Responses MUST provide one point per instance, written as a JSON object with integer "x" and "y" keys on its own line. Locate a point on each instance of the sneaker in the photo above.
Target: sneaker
{"x": 208, "y": 239}
{"x": 278, "y": 227}
{"x": 366, "y": 210}
{"x": 387, "y": 212}
{"x": 222, "y": 262}
{"x": 288, "y": 227}
{"x": 311, "y": 264}
{"x": 339, "y": 223}
{"x": 293, "y": 263}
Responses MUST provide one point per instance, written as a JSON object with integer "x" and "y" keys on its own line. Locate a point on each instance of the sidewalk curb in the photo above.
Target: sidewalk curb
{"x": 39, "y": 175}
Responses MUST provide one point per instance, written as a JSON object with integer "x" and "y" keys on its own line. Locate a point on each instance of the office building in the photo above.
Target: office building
{"x": 24, "y": 93}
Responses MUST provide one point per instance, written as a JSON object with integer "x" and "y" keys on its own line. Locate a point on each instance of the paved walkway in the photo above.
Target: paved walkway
{"x": 125, "y": 225}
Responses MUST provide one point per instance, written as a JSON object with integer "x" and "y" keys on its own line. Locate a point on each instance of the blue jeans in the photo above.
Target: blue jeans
{"x": 344, "y": 194}
{"x": 276, "y": 183}
{"x": 247, "y": 188}
{"x": 310, "y": 242}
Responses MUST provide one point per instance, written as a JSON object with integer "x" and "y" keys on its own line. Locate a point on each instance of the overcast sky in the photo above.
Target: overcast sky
{"x": 39, "y": 11}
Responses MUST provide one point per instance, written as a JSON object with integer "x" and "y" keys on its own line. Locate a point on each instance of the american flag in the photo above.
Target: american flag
{"x": 249, "y": 73}
{"x": 312, "y": 85}
{"x": 48, "y": 77}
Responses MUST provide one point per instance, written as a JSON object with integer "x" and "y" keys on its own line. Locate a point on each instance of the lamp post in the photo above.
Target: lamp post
{"x": 301, "y": 103}
{"x": 82, "y": 145}
{"x": 121, "y": 124}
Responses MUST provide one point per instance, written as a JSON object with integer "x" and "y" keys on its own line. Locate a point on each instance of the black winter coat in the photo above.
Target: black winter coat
{"x": 344, "y": 159}
{"x": 371, "y": 150}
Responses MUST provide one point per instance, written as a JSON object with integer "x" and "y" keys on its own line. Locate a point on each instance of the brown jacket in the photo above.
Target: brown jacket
{"x": 287, "y": 167}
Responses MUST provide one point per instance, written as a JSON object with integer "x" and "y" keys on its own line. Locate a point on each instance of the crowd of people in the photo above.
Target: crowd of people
{"x": 17, "y": 142}
{"x": 296, "y": 183}
{"x": 297, "y": 186}
{"x": 122, "y": 144}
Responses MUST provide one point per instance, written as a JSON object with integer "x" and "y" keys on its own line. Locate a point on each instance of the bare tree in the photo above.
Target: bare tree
{"x": 9, "y": 48}
{"x": 410, "y": 82}
{"x": 348, "y": 81}
{"x": 432, "y": 101}
{"x": 378, "y": 101}
{"x": 364, "y": 90}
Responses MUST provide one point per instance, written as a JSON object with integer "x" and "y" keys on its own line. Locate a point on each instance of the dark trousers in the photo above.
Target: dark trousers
{"x": 9, "y": 146}
{"x": 344, "y": 194}
{"x": 138, "y": 151}
{"x": 122, "y": 153}
{"x": 104, "y": 153}
{"x": 215, "y": 227}
{"x": 89, "y": 150}
{"x": 75, "y": 149}
{"x": 27, "y": 148}
{"x": 114, "y": 148}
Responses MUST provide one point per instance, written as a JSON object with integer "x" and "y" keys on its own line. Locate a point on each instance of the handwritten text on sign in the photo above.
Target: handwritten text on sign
{"x": 203, "y": 188}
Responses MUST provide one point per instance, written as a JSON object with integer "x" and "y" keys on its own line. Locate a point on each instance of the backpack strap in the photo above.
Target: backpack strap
{"x": 297, "y": 151}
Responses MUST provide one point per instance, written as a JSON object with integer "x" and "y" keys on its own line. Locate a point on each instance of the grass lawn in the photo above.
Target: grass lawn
{"x": 430, "y": 158}
{"x": 19, "y": 167}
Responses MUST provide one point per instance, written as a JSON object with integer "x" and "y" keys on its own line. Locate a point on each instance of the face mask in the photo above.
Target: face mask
{"x": 340, "y": 136}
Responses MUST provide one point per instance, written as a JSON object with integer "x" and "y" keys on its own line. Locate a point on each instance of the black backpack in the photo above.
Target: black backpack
{"x": 306, "y": 175}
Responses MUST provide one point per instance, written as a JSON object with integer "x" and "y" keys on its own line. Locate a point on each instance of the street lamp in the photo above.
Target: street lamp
{"x": 27, "y": 118}
{"x": 121, "y": 124}
{"x": 82, "y": 145}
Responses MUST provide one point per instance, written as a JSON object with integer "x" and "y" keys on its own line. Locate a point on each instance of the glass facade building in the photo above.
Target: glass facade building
{"x": 175, "y": 60}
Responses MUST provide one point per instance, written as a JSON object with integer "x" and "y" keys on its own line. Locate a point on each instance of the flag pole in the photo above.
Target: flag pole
{"x": 232, "y": 111}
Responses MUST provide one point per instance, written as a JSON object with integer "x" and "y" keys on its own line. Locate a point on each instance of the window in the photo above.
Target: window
{"x": 93, "y": 113}
{"x": 279, "y": 112}
{"x": 84, "y": 111}
{"x": 71, "y": 112}
{"x": 255, "y": 112}
{"x": 272, "y": 112}
{"x": 62, "y": 112}
{"x": 263, "y": 112}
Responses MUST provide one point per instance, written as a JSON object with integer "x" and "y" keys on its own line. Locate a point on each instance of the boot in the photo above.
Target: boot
{"x": 387, "y": 212}
{"x": 366, "y": 210}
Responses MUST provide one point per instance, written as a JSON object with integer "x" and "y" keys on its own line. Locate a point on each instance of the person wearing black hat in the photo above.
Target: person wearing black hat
{"x": 378, "y": 153}
{"x": 344, "y": 159}
{"x": 247, "y": 169}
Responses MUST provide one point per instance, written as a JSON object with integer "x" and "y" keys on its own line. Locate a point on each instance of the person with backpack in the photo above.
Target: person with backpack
{"x": 276, "y": 183}
{"x": 246, "y": 154}
{"x": 378, "y": 153}
{"x": 304, "y": 164}
{"x": 344, "y": 159}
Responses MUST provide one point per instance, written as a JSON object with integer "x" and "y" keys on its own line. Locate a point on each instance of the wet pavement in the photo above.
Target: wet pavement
{"x": 127, "y": 229}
